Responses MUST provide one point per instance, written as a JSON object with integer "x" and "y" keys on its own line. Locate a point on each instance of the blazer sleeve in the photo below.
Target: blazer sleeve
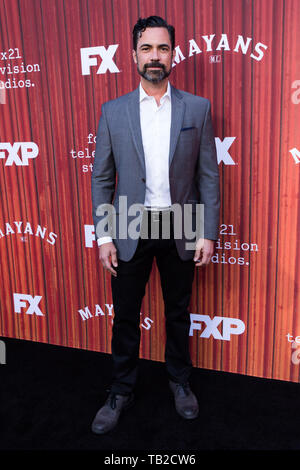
{"x": 208, "y": 178}
{"x": 103, "y": 179}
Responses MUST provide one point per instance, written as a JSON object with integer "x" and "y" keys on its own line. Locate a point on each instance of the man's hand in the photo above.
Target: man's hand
{"x": 108, "y": 257}
{"x": 204, "y": 251}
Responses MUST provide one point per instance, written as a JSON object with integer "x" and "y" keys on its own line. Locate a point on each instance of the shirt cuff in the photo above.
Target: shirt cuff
{"x": 103, "y": 240}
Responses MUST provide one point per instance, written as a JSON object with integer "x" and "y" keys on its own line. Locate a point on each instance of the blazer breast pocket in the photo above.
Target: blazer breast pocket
{"x": 187, "y": 136}
{"x": 185, "y": 129}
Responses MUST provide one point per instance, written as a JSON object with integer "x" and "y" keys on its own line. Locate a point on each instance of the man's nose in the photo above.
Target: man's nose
{"x": 155, "y": 55}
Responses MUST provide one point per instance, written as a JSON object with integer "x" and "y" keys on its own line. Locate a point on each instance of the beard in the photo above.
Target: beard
{"x": 154, "y": 76}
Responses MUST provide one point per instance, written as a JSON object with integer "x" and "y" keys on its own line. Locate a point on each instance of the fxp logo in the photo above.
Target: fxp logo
{"x": 230, "y": 326}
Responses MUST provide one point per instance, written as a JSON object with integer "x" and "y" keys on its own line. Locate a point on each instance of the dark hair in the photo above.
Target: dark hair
{"x": 151, "y": 22}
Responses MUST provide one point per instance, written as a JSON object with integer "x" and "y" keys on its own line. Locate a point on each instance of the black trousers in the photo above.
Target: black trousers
{"x": 128, "y": 290}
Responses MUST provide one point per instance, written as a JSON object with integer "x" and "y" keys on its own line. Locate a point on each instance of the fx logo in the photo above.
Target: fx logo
{"x": 21, "y": 301}
{"x": 89, "y": 59}
{"x": 18, "y": 153}
{"x": 222, "y": 150}
{"x": 89, "y": 235}
{"x": 230, "y": 326}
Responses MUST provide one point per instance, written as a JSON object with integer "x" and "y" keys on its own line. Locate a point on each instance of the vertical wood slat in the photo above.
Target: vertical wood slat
{"x": 251, "y": 100}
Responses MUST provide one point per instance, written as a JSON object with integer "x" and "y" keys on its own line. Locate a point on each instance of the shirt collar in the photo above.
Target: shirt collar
{"x": 144, "y": 96}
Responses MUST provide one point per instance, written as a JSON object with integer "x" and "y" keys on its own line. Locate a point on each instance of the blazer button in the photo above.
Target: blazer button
{"x": 143, "y": 179}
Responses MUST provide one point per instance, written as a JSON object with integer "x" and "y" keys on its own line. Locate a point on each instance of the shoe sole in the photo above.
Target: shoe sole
{"x": 187, "y": 417}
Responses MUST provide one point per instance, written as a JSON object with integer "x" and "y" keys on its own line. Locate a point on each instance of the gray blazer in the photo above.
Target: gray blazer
{"x": 119, "y": 166}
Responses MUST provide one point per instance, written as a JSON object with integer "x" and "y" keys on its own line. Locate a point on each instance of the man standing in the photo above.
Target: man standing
{"x": 155, "y": 147}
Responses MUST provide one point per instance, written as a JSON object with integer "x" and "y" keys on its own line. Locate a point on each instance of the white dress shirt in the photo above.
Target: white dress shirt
{"x": 155, "y": 129}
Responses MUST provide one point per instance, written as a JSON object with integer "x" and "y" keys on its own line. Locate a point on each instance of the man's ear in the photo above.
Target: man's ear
{"x": 134, "y": 56}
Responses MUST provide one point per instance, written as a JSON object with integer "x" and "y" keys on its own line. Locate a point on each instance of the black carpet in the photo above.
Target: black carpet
{"x": 50, "y": 394}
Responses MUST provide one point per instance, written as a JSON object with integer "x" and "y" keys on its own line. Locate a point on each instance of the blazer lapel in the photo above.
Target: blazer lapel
{"x": 177, "y": 114}
{"x": 133, "y": 111}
